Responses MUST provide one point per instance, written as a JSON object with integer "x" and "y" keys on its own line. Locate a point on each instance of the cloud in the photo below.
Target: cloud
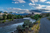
{"x": 37, "y": 6}
{"x": 46, "y": 11}
{"x": 34, "y": 1}
{"x": 18, "y": 10}
{"x": 18, "y": 1}
{"x": 43, "y": 0}
{"x": 48, "y": 2}
{"x": 40, "y": 6}
{"x": 31, "y": 4}
{"x": 47, "y": 8}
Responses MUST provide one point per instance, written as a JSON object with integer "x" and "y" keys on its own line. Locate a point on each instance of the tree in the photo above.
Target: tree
{"x": 18, "y": 16}
{"x": 10, "y": 12}
{"x": 4, "y": 16}
{"x": 37, "y": 16}
{"x": 47, "y": 14}
{"x": 9, "y": 16}
{"x": 5, "y": 12}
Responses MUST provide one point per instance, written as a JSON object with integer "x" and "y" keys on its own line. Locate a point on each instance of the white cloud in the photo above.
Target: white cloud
{"x": 34, "y": 1}
{"x": 48, "y": 2}
{"x": 37, "y": 6}
{"x": 18, "y": 1}
{"x": 18, "y": 10}
{"x": 43, "y": 0}
{"x": 31, "y": 4}
{"x": 47, "y": 8}
{"x": 40, "y": 6}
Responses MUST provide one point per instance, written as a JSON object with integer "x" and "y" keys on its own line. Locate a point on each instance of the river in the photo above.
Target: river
{"x": 11, "y": 28}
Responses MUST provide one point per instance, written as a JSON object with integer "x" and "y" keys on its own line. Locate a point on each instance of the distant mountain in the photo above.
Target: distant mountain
{"x": 38, "y": 10}
{"x": 21, "y": 14}
{"x": 35, "y": 11}
{"x": 43, "y": 10}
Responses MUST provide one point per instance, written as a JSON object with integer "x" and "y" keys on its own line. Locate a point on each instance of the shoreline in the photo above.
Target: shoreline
{"x": 12, "y": 22}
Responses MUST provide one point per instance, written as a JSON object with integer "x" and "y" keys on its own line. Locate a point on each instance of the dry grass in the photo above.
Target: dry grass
{"x": 36, "y": 27}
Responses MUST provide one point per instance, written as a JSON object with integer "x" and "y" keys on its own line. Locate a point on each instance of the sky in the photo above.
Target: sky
{"x": 23, "y": 6}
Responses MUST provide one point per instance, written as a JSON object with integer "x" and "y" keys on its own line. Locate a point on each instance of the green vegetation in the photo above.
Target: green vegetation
{"x": 10, "y": 19}
{"x": 29, "y": 26}
{"x": 47, "y": 14}
{"x": 36, "y": 17}
{"x": 18, "y": 16}
{"x": 4, "y": 16}
{"x": 0, "y": 21}
{"x": 3, "y": 21}
{"x": 9, "y": 16}
{"x": 48, "y": 18}
{"x": 26, "y": 26}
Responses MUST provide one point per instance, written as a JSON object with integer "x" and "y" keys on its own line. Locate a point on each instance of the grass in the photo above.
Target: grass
{"x": 0, "y": 21}
{"x": 3, "y": 21}
{"x": 36, "y": 27}
{"x": 10, "y": 19}
{"x": 48, "y": 18}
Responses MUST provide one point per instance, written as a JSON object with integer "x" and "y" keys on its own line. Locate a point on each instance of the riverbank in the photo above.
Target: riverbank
{"x": 12, "y": 22}
{"x": 34, "y": 29}
{"x": 11, "y": 27}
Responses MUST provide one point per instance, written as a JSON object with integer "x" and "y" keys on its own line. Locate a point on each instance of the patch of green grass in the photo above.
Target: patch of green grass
{"x": 0, "y": 21}
{"x": 3, "y": 21}
{"x": 48, "y": 18}
{"x": 10, "y": 19}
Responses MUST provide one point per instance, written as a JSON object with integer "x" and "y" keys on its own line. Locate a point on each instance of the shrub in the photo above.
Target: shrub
{"x": 10, "y": 19}
{"x": 32, "y": 17}
{"x": 47, "y": 15}
{"x": 27, "y": 23}
{"x": 0, "y": 18}
{"x": 4, "y": 16}
{"x": 18, "y": 16}
{"x": 49, "y": 18}
{"x": 20, "y": 29}
{"x": 9, "y": 16}
{"x": 3, "y": 21}
{"x": 0, "y": 21}
{"x": 36, "y": 16}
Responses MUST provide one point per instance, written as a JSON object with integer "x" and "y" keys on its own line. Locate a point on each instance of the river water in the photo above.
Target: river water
{"x": 11, "y": 28}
